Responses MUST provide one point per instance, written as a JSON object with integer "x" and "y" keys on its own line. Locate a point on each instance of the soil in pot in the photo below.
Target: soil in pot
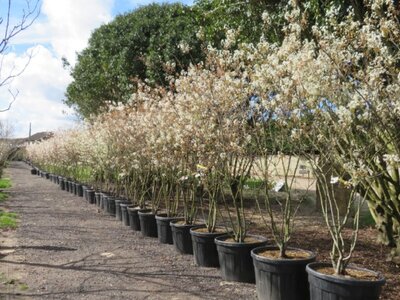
{"x": 235, "y": 258}
{"x": 204, "y": 248}
{"x": 181, "y": 236}
{"x": 281, "y": 278}
{"x": 164, "y": 229}
{"x": 134, "y": 221}
{"x": 359, "y": 284}
{"x": 148, "y": 224}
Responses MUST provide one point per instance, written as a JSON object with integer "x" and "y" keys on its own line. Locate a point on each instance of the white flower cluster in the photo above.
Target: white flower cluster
{"x": 340, "y": 88}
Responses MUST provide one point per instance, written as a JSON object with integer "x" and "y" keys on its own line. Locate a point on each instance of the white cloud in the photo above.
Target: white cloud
{"x": 62, "y": 30}
{"x": 66, "y": 25}
{"x": 72, "y": 21}
{"x": 41, "y": 88}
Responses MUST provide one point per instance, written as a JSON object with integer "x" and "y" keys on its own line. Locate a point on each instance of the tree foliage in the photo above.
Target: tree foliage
{"x": 143, "y": 45}
{"x": 136, "y": 46}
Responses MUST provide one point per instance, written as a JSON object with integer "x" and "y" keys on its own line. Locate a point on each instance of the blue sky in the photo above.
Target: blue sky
{"x": 62, "y": 29}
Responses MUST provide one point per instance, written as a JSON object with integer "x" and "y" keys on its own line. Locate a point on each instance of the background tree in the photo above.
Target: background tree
{"x": 149, "y": 44}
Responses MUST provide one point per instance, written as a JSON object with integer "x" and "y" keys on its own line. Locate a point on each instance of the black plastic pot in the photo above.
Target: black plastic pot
{"x": 71, "y": 187}
{"x": 90, "y": 196}
{"x": 109, "y": 204}
{"x": 235, "y": 258}
{"x": 97, "y": 196}
{"x": 164, "y": 229}
{"x": 134, "y": 220}
{"x": 103, "y": 201}
{"x": 118, "y": 203}
{"x": 181, "y": 237}
{"x": 79, "y": 190}
{"x": 75, "y": 188}
{"x": 148, "y": 225}
{"x": 334, "y": 287}
{"x": 84, "y": 188}
{"x": 47, "y": 175}
{"x": 33, "y": 171}
{"x": 62, "y": 184}
{"x": 204, "y": 248}
{"x": 124, "y": 213}
{"x": 281, "y": 279}
{"x": 66, "y": 184}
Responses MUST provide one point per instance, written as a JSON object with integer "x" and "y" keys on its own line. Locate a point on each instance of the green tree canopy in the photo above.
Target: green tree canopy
{"x": 140, "y": 45}
{"x": 144, "y": 44}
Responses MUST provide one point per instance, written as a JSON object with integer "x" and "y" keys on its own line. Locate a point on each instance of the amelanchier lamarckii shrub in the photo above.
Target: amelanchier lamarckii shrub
{"x": 336, "y": 97}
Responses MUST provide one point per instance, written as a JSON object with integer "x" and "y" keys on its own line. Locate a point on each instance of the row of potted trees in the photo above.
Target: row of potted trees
{"x": 277, "y": 275}
{"x": 250, "y": 116}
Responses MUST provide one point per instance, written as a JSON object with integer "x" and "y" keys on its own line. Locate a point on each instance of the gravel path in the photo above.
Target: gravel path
{"x": 66, "y": 248}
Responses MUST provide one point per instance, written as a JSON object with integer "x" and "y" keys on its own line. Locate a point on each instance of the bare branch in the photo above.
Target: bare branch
{"x": 29, "y": 14}
{"x": 28, "y": 17}
{"x": 14, "y": 96}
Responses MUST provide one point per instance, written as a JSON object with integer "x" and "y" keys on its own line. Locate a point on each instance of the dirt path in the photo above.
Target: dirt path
{"x": 67, "y": 249}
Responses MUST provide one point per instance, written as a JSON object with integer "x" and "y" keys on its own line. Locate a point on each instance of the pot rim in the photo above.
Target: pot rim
{"x": 163, "y": 217}
{"x": 200, "y": 233}
{"x": 174, "y": 224}
{"x": 310, "y": 268}
{"x": 146, "y": 211}
{"x": 134, "y": 208}
{"x": 279, "y": 261}
{"x": 220, "y": 240}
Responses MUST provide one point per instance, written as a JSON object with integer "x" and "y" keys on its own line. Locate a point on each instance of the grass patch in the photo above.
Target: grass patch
{"x": 5, "y": 183}
{"x": 3, "y": 197}
{"x": 12, "y": 282}
{"x": 253, "y": 183}
{"x": 8, "y": 220}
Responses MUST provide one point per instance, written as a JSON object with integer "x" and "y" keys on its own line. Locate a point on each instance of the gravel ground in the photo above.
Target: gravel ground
{"x": 66, "y": 248}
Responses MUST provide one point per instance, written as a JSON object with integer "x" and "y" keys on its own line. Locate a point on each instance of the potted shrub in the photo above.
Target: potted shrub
{"x": 340, "y": 279}
{"x": 189, "y": 189}
{"x": 154, "y": 189}
{"x": 170, "y": 209}
{"x": 203, "y": 236}
{"x": 137, "y": 190}
{"x": 234, "y": 250}
{"x": 280, "y": 270}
